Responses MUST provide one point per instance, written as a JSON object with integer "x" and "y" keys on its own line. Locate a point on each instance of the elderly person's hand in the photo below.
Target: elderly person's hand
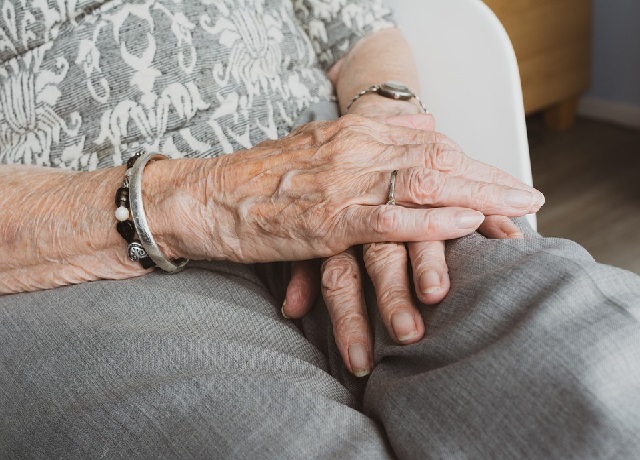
{"x": 314, "y": 193}
{"x": 388, "y": 266}
{"x": 322, "y": 189}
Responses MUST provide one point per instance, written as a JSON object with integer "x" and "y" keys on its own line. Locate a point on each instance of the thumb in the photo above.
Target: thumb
{"x": 303, "y": 289}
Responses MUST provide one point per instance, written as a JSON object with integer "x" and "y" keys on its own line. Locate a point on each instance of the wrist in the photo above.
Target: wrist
{"x": 393, "y": 91}
{"x": 174, "y": 194}
{"x": 375, "y": 105}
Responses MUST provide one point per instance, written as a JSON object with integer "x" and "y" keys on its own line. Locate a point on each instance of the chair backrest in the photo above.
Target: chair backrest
{"x": 469, "y": 78}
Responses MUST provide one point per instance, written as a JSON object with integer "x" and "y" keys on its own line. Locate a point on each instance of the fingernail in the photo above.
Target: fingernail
{"x": 284, "y": 304}
{"x": 430, "y": 282}
{"x": 514, "y": 232}
{"x": 519, "y": 198}
{"x": 511, "y": 230}
{"x": 403, "y": 326}
{"x": 359, "y": 359}
{"x": 469, "y": 219}
{"x": 539, "y": 200}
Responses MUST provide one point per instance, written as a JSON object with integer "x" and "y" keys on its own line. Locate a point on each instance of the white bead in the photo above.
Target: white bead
{"x": 122, "y": 213}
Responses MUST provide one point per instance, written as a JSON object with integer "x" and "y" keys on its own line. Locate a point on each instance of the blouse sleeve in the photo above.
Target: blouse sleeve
{"x": 335, "y": 26}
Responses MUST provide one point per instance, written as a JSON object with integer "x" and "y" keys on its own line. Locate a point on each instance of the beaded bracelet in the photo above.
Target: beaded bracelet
{"x": 129, "y": 204}
{"x": 125, "y": 226}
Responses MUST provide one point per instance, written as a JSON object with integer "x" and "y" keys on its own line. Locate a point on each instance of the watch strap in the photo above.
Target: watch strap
{"x": 388, "y": 94}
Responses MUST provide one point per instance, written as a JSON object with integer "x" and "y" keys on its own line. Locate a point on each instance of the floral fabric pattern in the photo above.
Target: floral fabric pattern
{"x": 83, "y": 81}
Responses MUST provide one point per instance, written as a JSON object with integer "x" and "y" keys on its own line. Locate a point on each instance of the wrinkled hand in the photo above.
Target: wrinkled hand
{"x": 321, "y": 190}
{"x": 387, "y": 265}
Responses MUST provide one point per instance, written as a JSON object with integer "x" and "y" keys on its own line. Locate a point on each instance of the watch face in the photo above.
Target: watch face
{"x": 395, "y": 90}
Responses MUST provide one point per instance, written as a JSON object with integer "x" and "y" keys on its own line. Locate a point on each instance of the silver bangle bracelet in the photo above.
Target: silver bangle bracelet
{"x": 140, "y": 219}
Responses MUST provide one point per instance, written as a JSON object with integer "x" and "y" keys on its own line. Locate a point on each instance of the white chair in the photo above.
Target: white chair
{"x": 469, "y": 78}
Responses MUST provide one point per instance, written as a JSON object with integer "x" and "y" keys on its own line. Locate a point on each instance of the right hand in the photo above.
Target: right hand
{"x": 323, "y": 189}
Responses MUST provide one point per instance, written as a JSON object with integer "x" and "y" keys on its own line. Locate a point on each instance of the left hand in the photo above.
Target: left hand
{"x": 387, "y": 265}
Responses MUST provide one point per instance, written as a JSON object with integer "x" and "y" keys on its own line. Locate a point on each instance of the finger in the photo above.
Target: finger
{"x": 423, "y": 186}
{"x": 387, "y": 265}
{"x": 431, "y": 150}
{"x": 303, "y": 288}
{"x": 430, "y": 272}
{"x": 427, "y": 147}
{"x": 379, "y": 224}
{"x": 342, "y": 293}
{"x": 500, "y": 227}
{"x": 401, "y": 146}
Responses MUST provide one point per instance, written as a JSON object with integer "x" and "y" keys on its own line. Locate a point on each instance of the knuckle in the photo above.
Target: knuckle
{"x": 354, "y": 136}
{"x": 427, "y": 264}
{"x": 349, "y": 323}
{"x": 304, "y": 136}
{"x": 482, "y": 194}
{"x": 305, "y": 279}
{"x": 495, "y": 176}
{"x": 379, "y": 256}
{"x": 428, "y": 254}
{"x": 443, "y": 139}
{"x": 345, "y": 142}
{"x": 424, "y": 186}
{"x": 443, "y": 158}
{"x": 339, "y": 274}
{"x": 386, "y": 220}
{"x": 432, "y": 222}
{"x": 308, "y": 139}
{"x": 391, "y": 300}
{"x": 446, "y": 140}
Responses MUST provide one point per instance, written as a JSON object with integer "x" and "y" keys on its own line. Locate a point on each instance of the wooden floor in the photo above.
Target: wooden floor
{"x": 590, "y": 176}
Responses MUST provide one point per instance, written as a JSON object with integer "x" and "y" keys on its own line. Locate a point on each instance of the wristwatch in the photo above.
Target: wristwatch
{"x": 392, "y": 90}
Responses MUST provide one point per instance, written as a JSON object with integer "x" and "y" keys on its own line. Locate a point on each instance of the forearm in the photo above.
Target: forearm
{"x": 59, "y": 226}
{"x": 380, "y": 57}
{"x": 59, "y": 229}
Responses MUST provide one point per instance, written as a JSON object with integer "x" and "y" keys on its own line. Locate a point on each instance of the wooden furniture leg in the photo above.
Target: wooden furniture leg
{"x": 561, "y": 116}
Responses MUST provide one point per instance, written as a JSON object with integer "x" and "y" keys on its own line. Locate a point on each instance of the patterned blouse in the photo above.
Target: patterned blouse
{"x": 84, "y": 81}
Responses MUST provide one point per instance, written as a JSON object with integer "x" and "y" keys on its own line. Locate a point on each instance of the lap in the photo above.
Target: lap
{"x": 187, "y": 366}
{"x": 534, "y": 353}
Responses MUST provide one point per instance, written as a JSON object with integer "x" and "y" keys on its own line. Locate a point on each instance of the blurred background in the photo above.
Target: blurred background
{"x": 580, "y": 69}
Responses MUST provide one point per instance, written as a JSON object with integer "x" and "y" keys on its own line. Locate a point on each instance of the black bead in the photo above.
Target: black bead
{"x": 133, "y": 159}
{"x": 122, "y": 197}
{"x": 146, "y": 262}
{"x": 127, "y": 230}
